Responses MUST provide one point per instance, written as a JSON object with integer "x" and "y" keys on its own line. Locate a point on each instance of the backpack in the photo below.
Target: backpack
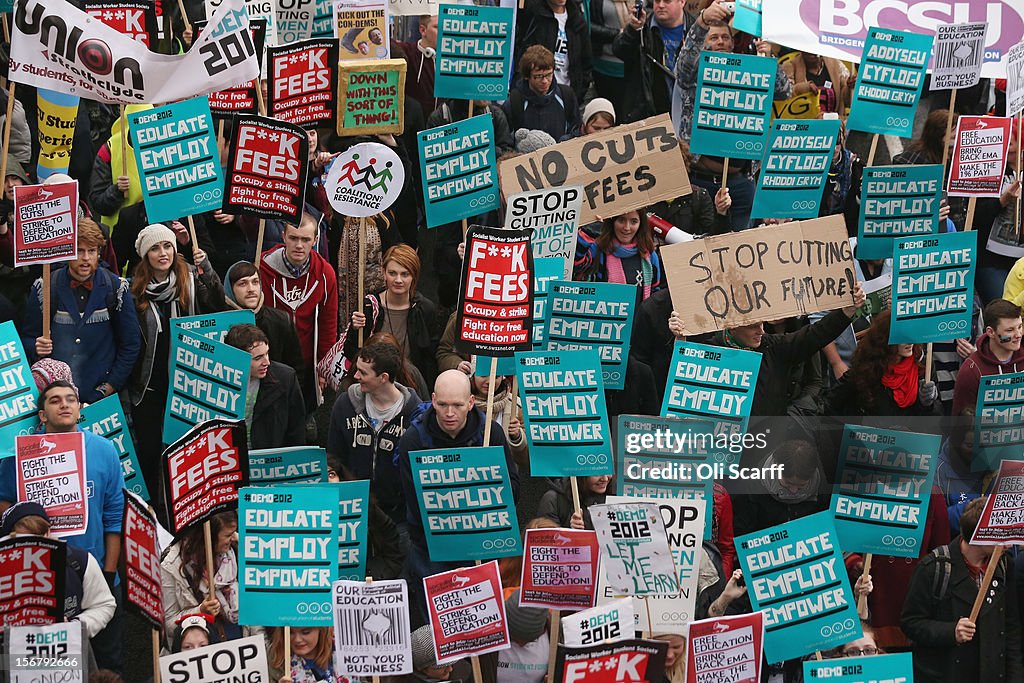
{"x": 944, "y": 570}
{"x": 101, "y": 271}
{"x": 517, "y": 105}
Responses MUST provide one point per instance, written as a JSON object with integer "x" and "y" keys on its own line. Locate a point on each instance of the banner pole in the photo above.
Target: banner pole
{"x": 156, "y": 655}
{"x": 124, "y": 143}
{"x": 259, "y": 98}
{"x": 259, "y": 242}
{"x": 971, "y": 203}
{"x": 207, "y": 539}
{"x": 472, "y": 102}
{"x": 46, "y": 297}
{"x": 862, "y": 600}
{"x": 515, "y": 401}
{"x": 221, "y": 144}
{"x": 928, "y": 361}
{"x": 574, "y": 483}
{"x": 949, "y": 128}
{"x": 490, "y": 401}
{"x": 650, "y": 628}
{"x": 362, "y": 273}
{"x": 725, "y": 172}
{"x": 556, "y": 621}
{"x": 9, "y": 120}
{"x": 465, "y": 226}
{"x": 993, "y": 562}
{"x": 871, "y": 152}
{"x": 192, "y": 234}
{"x": 1017, "y": 214}
{"x": 288, "y": 651}
{"x": 184, "y": 15}
{"x": 477, "y": 674}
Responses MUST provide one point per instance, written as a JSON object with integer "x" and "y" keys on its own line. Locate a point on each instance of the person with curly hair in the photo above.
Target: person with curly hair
{"x": 884, "y": 379}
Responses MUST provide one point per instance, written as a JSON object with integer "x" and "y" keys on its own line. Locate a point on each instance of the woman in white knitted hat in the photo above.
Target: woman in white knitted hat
{"x": 164, "y": 286}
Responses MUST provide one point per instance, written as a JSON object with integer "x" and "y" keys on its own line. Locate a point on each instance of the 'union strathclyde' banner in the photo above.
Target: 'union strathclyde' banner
{"x": 54, "y": 45}
{"x": 838, "y": 28}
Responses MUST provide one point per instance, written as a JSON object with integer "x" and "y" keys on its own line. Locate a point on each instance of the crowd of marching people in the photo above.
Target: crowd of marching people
{"x": 390, "y": 381}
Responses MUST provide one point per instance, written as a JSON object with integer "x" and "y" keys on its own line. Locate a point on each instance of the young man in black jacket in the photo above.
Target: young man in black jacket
{"x": 648, "y": 47}
{"x": 368, "y": 421}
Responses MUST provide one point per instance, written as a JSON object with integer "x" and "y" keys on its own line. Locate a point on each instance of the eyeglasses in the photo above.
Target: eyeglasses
{"x": 542, "y": 77}
{"x": 864, "y": 651}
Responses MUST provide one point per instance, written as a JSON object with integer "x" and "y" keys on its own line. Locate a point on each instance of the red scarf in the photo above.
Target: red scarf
{"x": 901, "y": 377}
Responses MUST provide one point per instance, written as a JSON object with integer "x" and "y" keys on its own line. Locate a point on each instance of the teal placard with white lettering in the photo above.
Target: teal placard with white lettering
{"x": 353, "y": 515}
{"x": 883, "y": 485}
{"x": 889, "y": 82}
{"x": 712, "y": 382}
{"x": 474, "y": 52}
{"x": 667, "y": 457}
{"x": 933, "y": 288}
{"x": 208, "y": 379}
{"x": 18, "y": 413}
{"x": 460, "y": 174}
{"x": 545, "y": 271}
{"x": 895, "y": 202}
{"x": 593, "y": 315}
{"x": 796, "y": 576}
{"x": 106, "y": 418}
{"x": 734, "y": 104}
{"x": 748, "y": 17}
{"x": 214, "y": 325}
{"x": 999, "y": 421}
{"x": 564, "y": 413}
{"x": 795, "y": 168}
{"x": 897, "y": 668}
{"x": 176, "y": 153}
{"x": 289, "y": 465}
{"x": 287, "y": 537}
{"x": 466, "y": 504}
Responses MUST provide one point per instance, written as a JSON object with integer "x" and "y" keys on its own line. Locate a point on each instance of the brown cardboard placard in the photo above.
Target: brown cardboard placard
{"x": 623, "y": 168}
{"x": 371, "y": 97}
{"x": 764, "y": 274}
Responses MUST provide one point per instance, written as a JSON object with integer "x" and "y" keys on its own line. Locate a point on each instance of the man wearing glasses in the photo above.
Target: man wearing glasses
{"x": 537, "y": 102}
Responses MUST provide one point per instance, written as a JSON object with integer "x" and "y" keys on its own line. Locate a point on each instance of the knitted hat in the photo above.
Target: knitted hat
{"x": 19, "y": 511}
{"x": 598, "y": 105}
{"x": 423, "y": 648}
{"x": 154, "y": 234}
{"x": 15, "y": 169}
{"x": 49, "y": 370}
{"x": 525, "y": 624}
{"x": 531, "y": 140}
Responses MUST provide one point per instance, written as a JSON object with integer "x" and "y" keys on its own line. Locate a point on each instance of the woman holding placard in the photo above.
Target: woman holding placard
{"x": 401, "y": 311}
{"x": 884, "y": 378}
{"x": 624, "y": 252}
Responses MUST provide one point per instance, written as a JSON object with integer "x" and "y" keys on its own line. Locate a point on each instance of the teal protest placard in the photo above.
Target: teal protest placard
{"x": 795, "y": 168}
{"x": 459, "y": 171}
{"x": 474, "y": 52}
{"x": 666, "y": 457}
{"x": 897, "y": 668}
{"x": 748, "y": 17}
{"x": 18, "y": 413}
{"x": 353, "y": 507}
{"x": 289, "y": 465}
{"x": 712, "y": 382}
{"x": 106, "y": 418}
{"x": 545, "y": 271}
{"x": 734, "y": 104}
{"x": 999, "y": 421}
{"x": 179, "y": 166}
{"x": 564, "y": 413}
{"x": 897, "y": 201}
{"x": 286, "y": 564}
{"x": 883, "y": 485}
{"x": 593, "y": 315}
{"x": 796, "y": 576}
{"x": 933, "y": 288}
{"x": 889, "y": 82}
{"x": 208, "y": 380}
{"x": 214, "y": 325}
{"x": 466, "y": 504}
